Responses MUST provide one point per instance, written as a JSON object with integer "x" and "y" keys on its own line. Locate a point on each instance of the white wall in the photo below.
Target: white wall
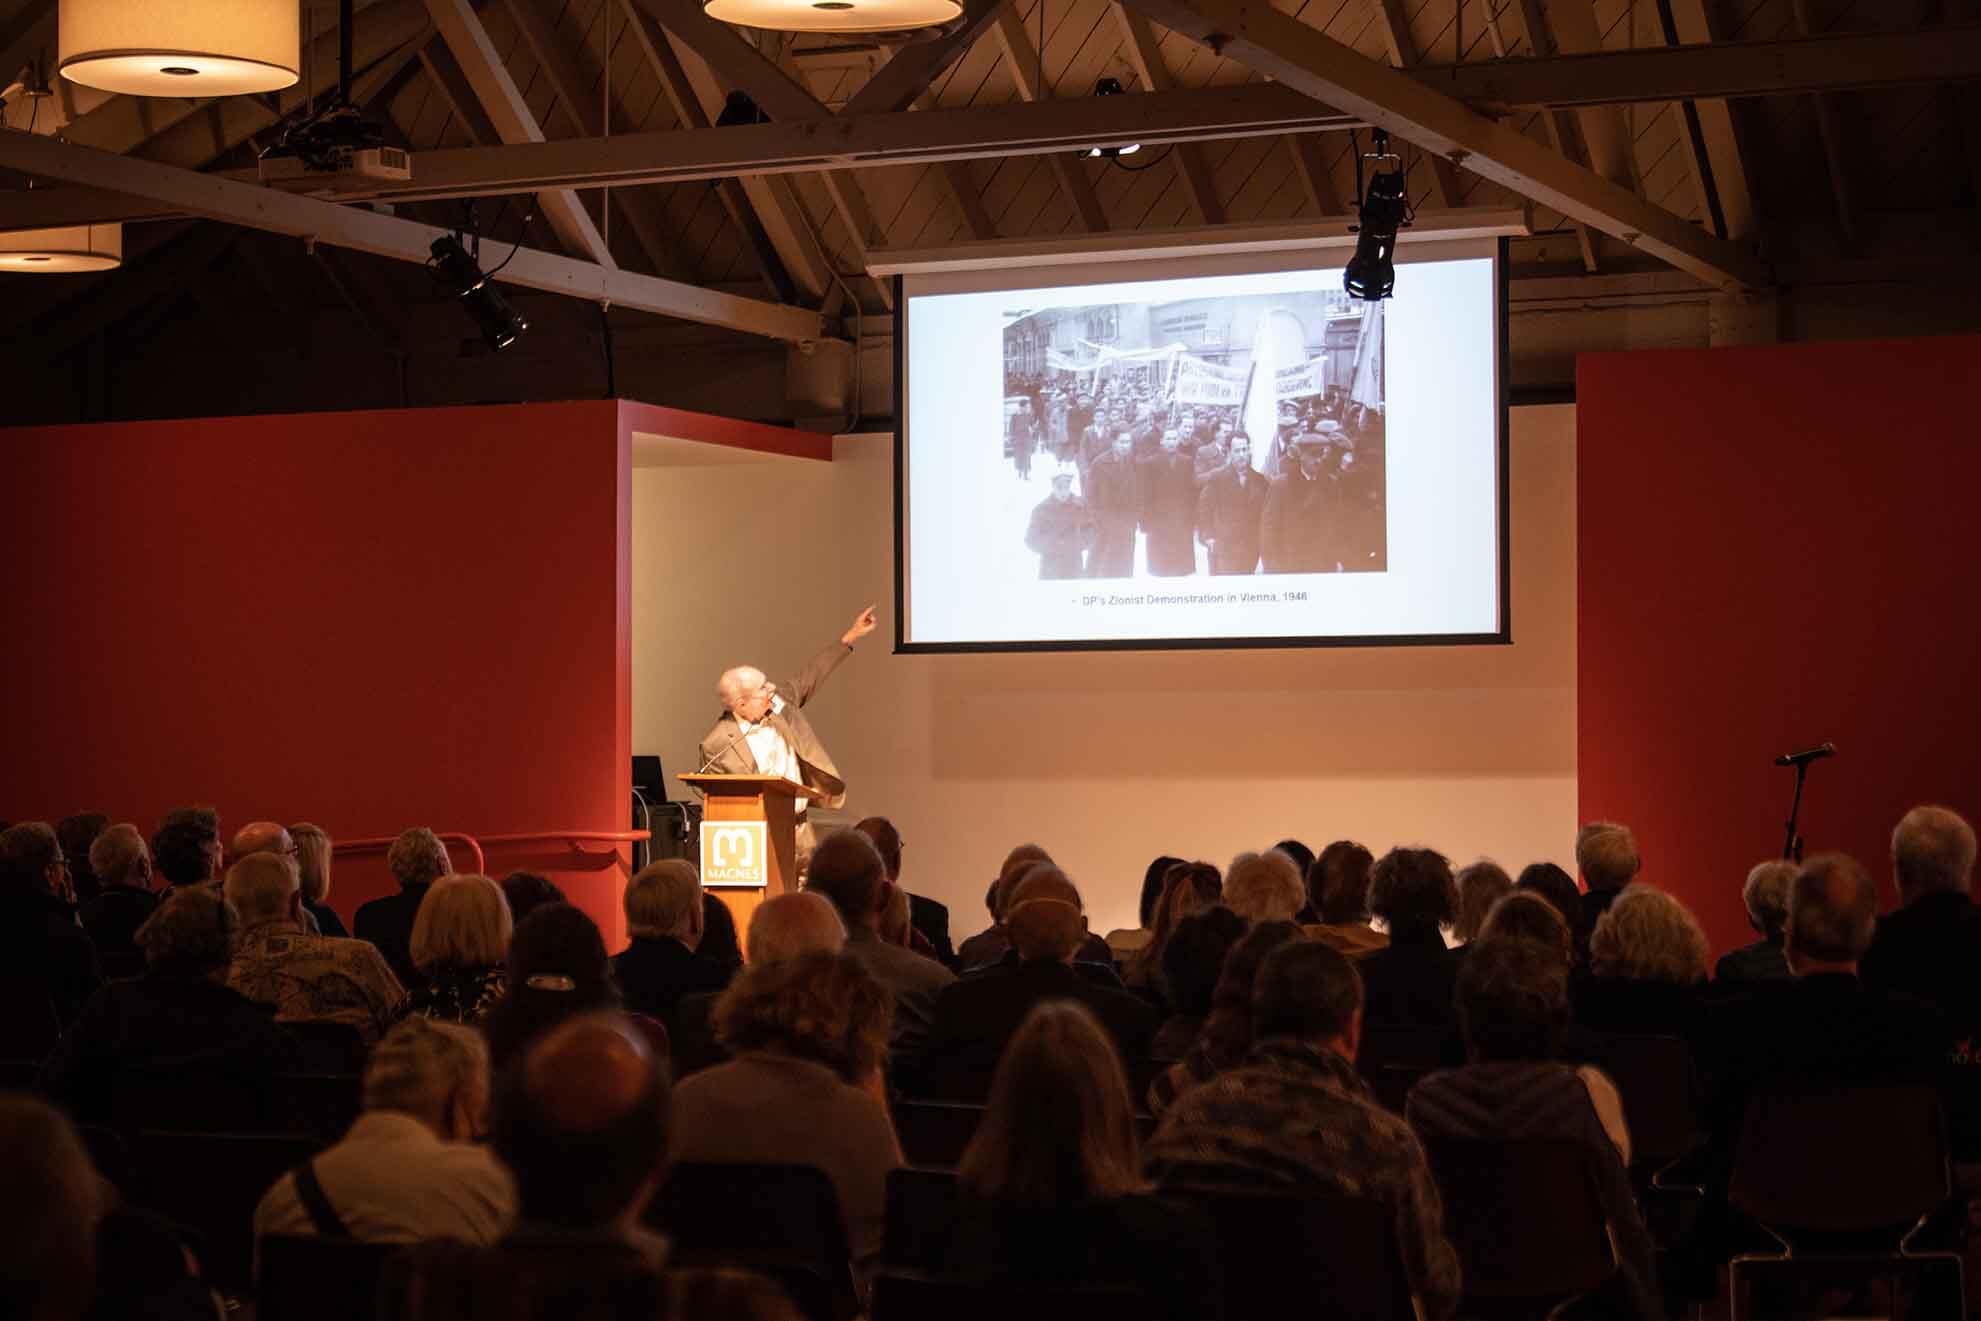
{"x": 1109, "y": 759}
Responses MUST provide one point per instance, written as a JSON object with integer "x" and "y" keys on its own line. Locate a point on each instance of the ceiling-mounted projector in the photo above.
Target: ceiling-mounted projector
{"x": 336, "y": 145}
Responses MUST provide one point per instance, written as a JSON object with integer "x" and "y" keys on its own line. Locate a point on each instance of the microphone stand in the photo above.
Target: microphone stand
{"x": 1792, "y": 842}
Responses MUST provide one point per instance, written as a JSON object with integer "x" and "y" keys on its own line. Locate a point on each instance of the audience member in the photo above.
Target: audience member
{"x": 52, "y": 968}
{"x": 1606, "y": 855}
{"x": 1192, "y": 887}
{"x": 1766, "y": 896}
{"x": 1408, "y": 983}
{"x": 989, "y": 946}
{"x": 459, "y": 945}
{"x": 1052, "y": 1185}
{"x": 261, "y": 837}
{"x": 925, "y": 915}
{"x": 1513, "y": 1010}
{"x": 527, "y": 891}
{"x": 1338, "y": 895}
{"x": 976, "y": 1016}
{"x": 1264, "y": 887}
{"x": 1525, "y": 915}
{"x": 782, "y": 927}
{"x": 1129, "y": 941}
{"x": 410, "y": 1168}
{"x": 1480, "y": 886}
{"x": 122, "y": 866}
{"x": 49, "y": 1215}
{"x": 1647, "y": 968}
{"x": 1302, "y": 858}
{"x": 557, "y": 971}
{"x": 1226, "y": 1037}
{"x": 720, "y": 945}
{"x": 1191, "y": 963}
{"x": 78, "y": 834}
{"x": 1930, "y": 946}
{"x": 1559, "y": 889}
{"x": 1297, "y": 1115}
{"x": 847, "y": 869}
{"x": 665, "y": 918}
{"x": 809, "y": 1036}
{"x": 313, "y": 850}
{"x": 186, "y": 846}
{"x": 417, "y": 859}
{"x": 898, "y": 928}
{"x": 307, "y": 978}
{"x": 177, "y": 1037}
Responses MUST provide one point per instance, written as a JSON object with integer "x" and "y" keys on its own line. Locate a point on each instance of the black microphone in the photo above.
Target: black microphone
{"x": 1803, "y": 758}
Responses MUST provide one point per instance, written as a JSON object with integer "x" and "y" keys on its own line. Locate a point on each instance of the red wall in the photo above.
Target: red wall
{"x": 368, "y": 620}
{"x": 1776, "y": 547}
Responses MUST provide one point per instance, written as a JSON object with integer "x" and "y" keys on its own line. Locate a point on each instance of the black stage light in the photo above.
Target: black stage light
{"x": 738, "y": 108}
{"x": 462, "y": 275}
{"x": 1384, "y": 209}
{"x": 1111, "y": 87}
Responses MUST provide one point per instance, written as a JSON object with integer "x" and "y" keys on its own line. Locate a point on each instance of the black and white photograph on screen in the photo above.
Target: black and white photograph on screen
{"x": 1210, "y": 436}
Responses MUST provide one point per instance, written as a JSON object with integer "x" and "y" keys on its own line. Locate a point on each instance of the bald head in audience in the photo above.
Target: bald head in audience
{"x": 581, "y": 1120}
{"x": 1044, "y": 917}
{"x": 48, "y": 1215}
{"x": 261, "y": 837}
{"x": 1832, "y": 915}
{"x": 787, "y": 925}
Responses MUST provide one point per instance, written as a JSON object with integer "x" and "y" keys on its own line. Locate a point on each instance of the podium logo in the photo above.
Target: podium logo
{"x": 734, "y": 853}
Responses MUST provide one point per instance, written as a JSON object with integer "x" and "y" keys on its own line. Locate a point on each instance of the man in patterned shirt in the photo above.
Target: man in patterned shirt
{"x": 1295, "y": 1115}
{"x": 306, "y": 977}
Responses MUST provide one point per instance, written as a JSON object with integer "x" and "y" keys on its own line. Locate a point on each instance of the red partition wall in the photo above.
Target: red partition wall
{"x": 367, "y": 620}
{"x": 1776, "y": 547}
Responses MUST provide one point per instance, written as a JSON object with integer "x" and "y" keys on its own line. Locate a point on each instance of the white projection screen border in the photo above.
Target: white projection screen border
{"x": 1206, "y": 346}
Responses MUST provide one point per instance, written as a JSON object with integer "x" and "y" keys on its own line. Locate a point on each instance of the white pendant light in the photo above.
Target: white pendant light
{"x": 62, "y": 251}
{"x": 181, "y": 47}
{"x": 834, "y": 15}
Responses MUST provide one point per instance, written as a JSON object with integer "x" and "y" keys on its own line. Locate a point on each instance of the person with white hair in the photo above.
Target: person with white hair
{"x": 1765, "y": 896}
{"x": 122, "y": 864}
{"x": 307, "y": 978}
{"x": 1264, "y": 887}
{"x": 1931, "y": 945}
{"x": 410, "y": 1169}
{"x": 763, "y": 729}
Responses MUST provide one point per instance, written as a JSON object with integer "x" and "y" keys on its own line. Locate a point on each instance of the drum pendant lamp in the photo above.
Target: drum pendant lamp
{"x": 62, "y": 251}
{"x": 181, "y": 47}
{"x": 834, "y": 15}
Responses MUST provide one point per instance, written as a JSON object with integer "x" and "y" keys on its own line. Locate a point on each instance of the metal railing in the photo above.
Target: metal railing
{"x": 575, "y": 838}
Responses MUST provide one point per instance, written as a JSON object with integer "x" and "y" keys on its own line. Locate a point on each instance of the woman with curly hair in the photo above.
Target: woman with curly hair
{"x": 1647, "y": 967}
{"x": 805, "y": 1087}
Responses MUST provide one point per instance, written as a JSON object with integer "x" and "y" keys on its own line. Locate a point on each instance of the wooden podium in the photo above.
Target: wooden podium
{"x": 749, "y": 839}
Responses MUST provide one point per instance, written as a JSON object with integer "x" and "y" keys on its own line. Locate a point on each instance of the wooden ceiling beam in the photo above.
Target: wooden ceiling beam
{"x": 1829, "y": 129}
{"x": 1192, "y": 170}
{"x": 1023, "y": 63}
{"x": 1403, "y": 54}
{"x": 916, "y": 64}
{"x": 962, "y": 188}
{"x": 1560, "y": 125}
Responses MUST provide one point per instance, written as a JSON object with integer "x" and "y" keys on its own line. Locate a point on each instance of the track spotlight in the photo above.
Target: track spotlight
{"x": 1111, "y": 87}
{"x": 738, "y": 108}
{"x": 1384, "y": 209}
{"x": 462, "y": 276}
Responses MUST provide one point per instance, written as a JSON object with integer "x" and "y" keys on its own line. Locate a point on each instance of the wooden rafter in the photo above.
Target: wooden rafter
{"x": 1829, "y": 129}
{"x": 1711, "y": 140}
{"x": 1310, "y": 162}
{"x": 897, "y": 84}
{"x": 1023, "y": 63}
{"x": 962, "y": 189}
{"x": 1445, "y": 187}
{"x": 1560, "y": 125}
{"x": 1192, "y": 170}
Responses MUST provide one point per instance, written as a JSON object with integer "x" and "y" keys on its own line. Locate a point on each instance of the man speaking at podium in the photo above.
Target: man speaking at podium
{"x": 763, "y": 730}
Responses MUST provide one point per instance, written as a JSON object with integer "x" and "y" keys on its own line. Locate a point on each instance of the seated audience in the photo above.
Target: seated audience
{"x": 526, "y": 892}
{"x": 557, "y": 970}
{"x": 976, "y": 1016}
{"x": 1192, "y": 887}
{"x": 1302, "y": 858}
{"x": 719, "y": 945}
{"x": 1226, "y": 1037}
{"x": 1480, "y": 886}
{"x": 122, "y": 866}
{"x": 1766, "y": 896}
{"x": 49, "y": 1216}
{"x": 1264, "y": 887}
{"x": 988, "y": 949}
{"x": 417, "y": 859}
{"x": 51, "y": 967}
{"x": 185, "y": 848}
{"x": 1559, "y": 889}
{"x": 410, "y": 1168}
{"x": 897, "y": 926}
{"x": 306, "y": 978}
{"x": 1930, "y": 946}
{"x": 1514, "y": 1013}
{"x": 178, "y": 1029}
{"x": 926, "y": 917}
{"x": 1192, "y": 961}
{"x": 261, "y": 837}
{"x": 782, "y": 927}
{"x": 1647, "y": 968}
{"x": 1606, "y": 855}
{"x": 809, "y": 1035}
{"x": 1408, "y": 983}
{"x": 848, "y": 871}
{"x": 1125, "y": 942}
{"x": 1296, "y": 1115}
{"x": 459, "y": 945}
{"x": 666, "y": 919}
{"x": 313, "y": 850}
{"x": 1338, "y": 896}
{"x": 1524, "y": 915}
{"x": 78, "y": 834}
{"x": 581, "y": 1121}
{"x": 1052, "y": 1190}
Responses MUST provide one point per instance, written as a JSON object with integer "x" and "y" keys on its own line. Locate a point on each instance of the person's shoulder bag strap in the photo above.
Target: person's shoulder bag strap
{"x": 309, "y": 1191}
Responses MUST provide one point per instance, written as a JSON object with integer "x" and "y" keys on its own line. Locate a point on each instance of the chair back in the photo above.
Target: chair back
{"x": 210, "y": 1183}
{"x": 318, "y": 1279}
{"x": 903, "y": 1295}
{"x": 1525, "y": 1216}
{"x": 1273, "y": 1246}
{"x": 1841, "y": 1159}
{"x": 1658, "y": 1082}
{"x": 782, "y": 1221}
{"x": 328, "y": 1046}
{"x": 921, "y": 1218}
{"x": 1393, "y": 1060}
{"x": 31, "y": 1028}
{"x": 934, "y": 1133}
